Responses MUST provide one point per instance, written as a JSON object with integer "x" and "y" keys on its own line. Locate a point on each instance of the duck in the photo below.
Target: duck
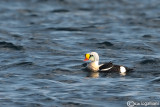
{"x": 106, "y": 67}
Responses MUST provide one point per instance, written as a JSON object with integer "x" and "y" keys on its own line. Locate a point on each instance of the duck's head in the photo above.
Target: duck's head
{"x": 92, "y": 56}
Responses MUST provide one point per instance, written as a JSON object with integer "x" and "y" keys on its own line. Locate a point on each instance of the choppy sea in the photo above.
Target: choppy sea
{"x": 43, "y": 43}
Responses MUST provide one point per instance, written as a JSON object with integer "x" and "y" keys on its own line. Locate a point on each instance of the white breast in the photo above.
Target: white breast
{"x": 93, "y": 66}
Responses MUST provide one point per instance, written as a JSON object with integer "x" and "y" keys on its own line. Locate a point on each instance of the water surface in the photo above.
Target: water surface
{"x": 42, "y": 47}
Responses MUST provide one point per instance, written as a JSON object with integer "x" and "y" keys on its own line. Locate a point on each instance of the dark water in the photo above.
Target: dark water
{"x": 42, "y": 47}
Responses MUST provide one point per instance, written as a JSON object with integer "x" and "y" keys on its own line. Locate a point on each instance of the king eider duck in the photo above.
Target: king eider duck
{"x": 106, "y": 67}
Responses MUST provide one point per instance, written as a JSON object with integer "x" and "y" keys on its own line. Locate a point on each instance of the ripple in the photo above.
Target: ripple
{"x": 106, "y": 43}
{"x": 8, "y": 45}
{"x": 60, "y": 11}
{"x": 149, "y": 61}
{"x": 156, "y": 80}
{"x": 25, "y": 63}
{"x": 64, "y": 29}
{"x": 85, "y": 9}
{"x": 147, "y": 36}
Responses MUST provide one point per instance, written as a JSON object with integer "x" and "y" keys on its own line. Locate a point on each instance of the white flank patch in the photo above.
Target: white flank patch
{"x": 106, "y": 69}
{"x": 122, "y": 69}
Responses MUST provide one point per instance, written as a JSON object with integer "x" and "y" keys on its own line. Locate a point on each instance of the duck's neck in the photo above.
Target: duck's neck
{"x": 93, "y": 66}
{"x": 96, "y": 62}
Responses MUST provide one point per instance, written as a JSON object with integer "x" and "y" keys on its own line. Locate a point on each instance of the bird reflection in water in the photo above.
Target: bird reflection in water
{"x": 122, "y": 73}
{"x": 93, "y": 74}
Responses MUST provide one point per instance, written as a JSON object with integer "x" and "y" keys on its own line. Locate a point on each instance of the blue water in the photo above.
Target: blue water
{"x": 43, "y": 43}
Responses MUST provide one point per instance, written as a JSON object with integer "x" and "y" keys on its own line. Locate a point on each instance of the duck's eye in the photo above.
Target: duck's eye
{"x": 91, "y": 55}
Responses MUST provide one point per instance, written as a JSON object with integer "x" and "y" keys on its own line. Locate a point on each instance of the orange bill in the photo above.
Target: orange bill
{"x": 87, "y": 57}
